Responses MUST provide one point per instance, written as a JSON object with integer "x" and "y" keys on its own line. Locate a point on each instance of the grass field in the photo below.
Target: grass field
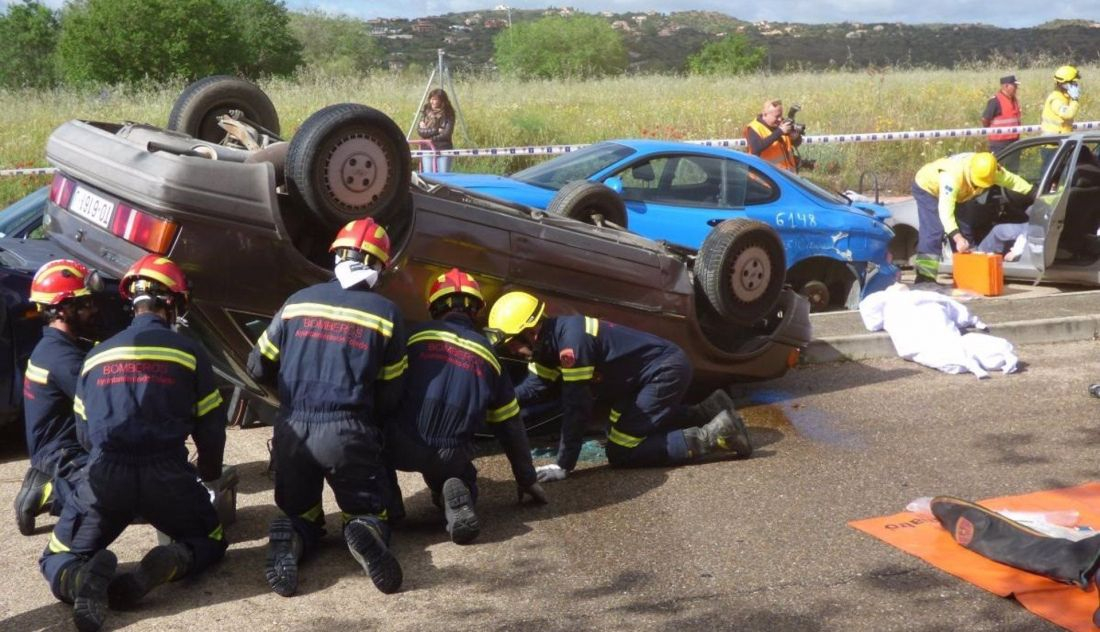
{"x": 502, "y": 112}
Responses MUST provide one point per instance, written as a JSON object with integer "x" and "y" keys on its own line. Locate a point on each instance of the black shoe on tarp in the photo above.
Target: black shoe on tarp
{"x": 160, "y": 565}
{"x": 1000, "y": 539}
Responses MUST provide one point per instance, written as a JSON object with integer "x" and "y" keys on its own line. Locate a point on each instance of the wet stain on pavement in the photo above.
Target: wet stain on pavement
{"x": 773, "y": 408}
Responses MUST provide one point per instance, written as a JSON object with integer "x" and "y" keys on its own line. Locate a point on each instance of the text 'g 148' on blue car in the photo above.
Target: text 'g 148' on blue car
{"x": 837, "y": 250}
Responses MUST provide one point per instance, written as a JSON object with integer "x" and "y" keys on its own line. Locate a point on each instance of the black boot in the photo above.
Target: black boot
{"x": 34, "y": 499}
{"x": 367, "y": 543}
{"x": 284, "y": 549}
{"x": 1094, "y": 390}
{"x": 161, "y": 565}
{"x": 85, "y": 586}
{"x": 706, "y": 410}
{"x": 726, "y": 432}
{"x": 458, "y": 507}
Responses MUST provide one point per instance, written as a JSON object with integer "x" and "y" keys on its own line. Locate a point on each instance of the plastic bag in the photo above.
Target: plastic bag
{"x": 1059, "y": 523}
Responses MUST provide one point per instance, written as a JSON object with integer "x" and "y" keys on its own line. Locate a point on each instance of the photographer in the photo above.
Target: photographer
{"x": 773, "y": 137}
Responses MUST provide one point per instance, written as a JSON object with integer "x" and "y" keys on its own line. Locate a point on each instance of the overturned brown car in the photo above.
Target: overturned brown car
{"x": 250, "y": 217}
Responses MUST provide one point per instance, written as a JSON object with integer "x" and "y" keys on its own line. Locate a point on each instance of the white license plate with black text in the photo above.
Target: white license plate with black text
{"x": 92, "y": 207}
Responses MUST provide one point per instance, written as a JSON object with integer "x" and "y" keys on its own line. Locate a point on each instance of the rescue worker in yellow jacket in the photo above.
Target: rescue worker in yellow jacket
{"x": 1062, "y": 103}
{"x": 772, "y": 137}
{"x": 938, "y": 188}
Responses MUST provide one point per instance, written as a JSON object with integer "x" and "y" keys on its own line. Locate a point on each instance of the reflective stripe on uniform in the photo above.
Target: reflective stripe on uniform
{"x": 78, "y": 408}
{"x": 312, "y": 514}
{"x": 458, "y": 341}
{"x": 591, "y": 326}
{"x": 154, "y": 354}
{"x": 397, "y": 369}
{"x": 347, "y": 517}
{"x": 614, "y": 415}
{"x": 506, "y": 411}
{"x": 578, "y": 374}
{"x": 38, "y": 375}
{"x": 56, "y": 545}
{"x": 216, "y": 534}
{"x": 544, "y": 372}
{"x": 341, "y": 314}
{"x": 208, "y": 403}
{"x": 623, "y": 439}
{"x": 268, "y": 348}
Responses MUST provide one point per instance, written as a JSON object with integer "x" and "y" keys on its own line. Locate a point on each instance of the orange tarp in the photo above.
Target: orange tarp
{"x": 1062, "y": 604}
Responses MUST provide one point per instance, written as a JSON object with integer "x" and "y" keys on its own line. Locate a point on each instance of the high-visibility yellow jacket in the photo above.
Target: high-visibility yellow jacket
{"x": 1058, "y": 113}
{"x": 949, "y": 180}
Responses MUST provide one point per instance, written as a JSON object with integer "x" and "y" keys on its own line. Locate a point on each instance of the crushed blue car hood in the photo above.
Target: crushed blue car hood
{"x": 498, "y": 186}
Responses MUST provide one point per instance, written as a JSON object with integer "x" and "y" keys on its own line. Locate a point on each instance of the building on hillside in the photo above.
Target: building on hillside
{"x": 621, "y": 25}
{"x": 423, "y": 26}
{"x": 495, "y": 23}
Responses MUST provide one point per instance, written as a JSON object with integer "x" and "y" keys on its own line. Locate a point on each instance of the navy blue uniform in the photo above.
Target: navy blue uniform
{"x": 140, "y": 395}
{"x": 643, "y": 377}
{"x": 338, "y": 357}
{"x": 49, "y": 387}
{"x": 454, "y": 387}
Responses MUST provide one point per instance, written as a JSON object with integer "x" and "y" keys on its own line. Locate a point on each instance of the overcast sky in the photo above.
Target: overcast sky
{"x": 1006, "y": 13}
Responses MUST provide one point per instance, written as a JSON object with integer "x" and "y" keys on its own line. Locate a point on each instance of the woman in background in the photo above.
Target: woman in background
{"x": 437, "y": 124}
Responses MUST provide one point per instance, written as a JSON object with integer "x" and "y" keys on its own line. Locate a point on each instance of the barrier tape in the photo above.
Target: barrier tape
{"x": 551, "y": 150}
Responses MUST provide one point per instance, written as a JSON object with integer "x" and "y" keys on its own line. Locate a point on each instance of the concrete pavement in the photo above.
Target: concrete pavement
{"x": 1024, "y": 314}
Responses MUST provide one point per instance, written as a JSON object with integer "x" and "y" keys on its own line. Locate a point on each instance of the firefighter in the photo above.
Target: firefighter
{"x": 456, "y": 385}
{"x": 641, "y": 376}
{"x": 938, "y": 188}
{"x": 140, "y": 395}
{"x": 1060, "y": 107}
{"x": 61, "y": 290}
{"x": 337, "y": 353}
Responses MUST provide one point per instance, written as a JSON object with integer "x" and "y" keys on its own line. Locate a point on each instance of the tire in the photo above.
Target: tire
{"x": 586, "y": 201}
{"x": 349, "y": 161}
{"x": 740, "y": 270}
{"x": 826, "y": 283}
{"x": 197, "y": 108}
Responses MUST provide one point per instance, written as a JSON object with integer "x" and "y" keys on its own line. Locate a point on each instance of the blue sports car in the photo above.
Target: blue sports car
{"x": 837, "y": 250}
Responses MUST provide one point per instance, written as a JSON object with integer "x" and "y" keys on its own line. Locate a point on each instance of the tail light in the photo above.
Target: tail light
{"x": 136, "y": 226}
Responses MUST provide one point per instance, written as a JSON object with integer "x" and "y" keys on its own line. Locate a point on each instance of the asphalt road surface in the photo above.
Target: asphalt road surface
{"x": 760, "y": 544}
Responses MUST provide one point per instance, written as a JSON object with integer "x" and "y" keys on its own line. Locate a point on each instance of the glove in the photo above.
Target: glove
{"x": 550, "y": 473}
{"x": 1074, "y": 91}
{"x": 535, "y": 491}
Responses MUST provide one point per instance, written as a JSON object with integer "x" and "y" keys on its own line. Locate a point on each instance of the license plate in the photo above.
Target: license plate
{"x": 92, "y": 207}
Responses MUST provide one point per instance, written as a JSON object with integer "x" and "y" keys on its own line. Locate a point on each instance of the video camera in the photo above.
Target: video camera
{"x": 791, "y": 113}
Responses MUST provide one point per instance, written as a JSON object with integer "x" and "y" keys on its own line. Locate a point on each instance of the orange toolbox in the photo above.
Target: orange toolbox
{"x": 979, "y": 272}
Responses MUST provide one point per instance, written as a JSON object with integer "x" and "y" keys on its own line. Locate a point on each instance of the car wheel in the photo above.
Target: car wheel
{"x": 817, "y": 293}
{"x": 349, "y": 161}
{"x": 590, "y": 202}
{"x": 740, "y": 269}
{"x": 198, "y": 107}
{"x": 826, "y": 283}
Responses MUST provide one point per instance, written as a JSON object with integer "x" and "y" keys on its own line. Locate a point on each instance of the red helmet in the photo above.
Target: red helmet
{"x": 58, "y": 281}
{"x": 365, "y": 236}
{"x": 153, "y": 274}
{"x": 454, "y": 289}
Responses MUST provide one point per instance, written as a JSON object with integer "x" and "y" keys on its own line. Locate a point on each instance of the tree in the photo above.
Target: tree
{"x": 268, "y": 45}
{"x": 732, "y": 55}
{"x": 126, "y": 41}
{"x": 28, "y": 36}
{"x": 336, "y": 44}
{"x": 556, "y": 47}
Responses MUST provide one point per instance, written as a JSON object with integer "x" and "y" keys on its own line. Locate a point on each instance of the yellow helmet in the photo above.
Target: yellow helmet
{"x": 514, "y": 312}
{"x": 982, "y": 168}
{"x": 1066, "y": 74}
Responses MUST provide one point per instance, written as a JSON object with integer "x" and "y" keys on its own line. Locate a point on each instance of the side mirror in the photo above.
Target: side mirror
{"x": 615, "y": 183}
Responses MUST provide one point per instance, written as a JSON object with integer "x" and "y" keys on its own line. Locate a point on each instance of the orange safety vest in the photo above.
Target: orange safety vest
{"x": 780, "y": 153}
{"x": 1009, "y": 117}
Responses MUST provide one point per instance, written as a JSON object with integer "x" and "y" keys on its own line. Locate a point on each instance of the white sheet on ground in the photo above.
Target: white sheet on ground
{"x": 927, "y": 328}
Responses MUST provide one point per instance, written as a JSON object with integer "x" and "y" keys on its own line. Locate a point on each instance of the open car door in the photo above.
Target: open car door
{"x": 1048, "y": 166}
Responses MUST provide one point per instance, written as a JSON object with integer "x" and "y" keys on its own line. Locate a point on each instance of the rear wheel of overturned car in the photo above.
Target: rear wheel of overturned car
{"x": 740, "y": 269}
{"x": 198, "y": 107}
{"x": 349, "y": 161}
{"x": 591, "y": 203}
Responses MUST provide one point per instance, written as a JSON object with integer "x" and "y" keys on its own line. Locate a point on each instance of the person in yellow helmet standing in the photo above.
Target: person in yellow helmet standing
{"x": 1061, "y": 107}
{"x": 938, "y": 188}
